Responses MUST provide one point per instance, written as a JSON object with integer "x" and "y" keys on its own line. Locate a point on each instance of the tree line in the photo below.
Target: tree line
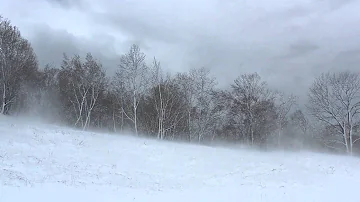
{"x": 144, "y": 99}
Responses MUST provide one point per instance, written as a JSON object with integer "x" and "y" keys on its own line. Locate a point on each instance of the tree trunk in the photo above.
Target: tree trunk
{"x": 113, "y": 118}
{"x": 252, "y": 135}
{"x": 3, "y": 104}
{"x": 87, "y": 120}
{"x": 135, "y": 114}
{"x": 345, "y": 136}
{"x": 350, "y": 132}
{"x": 278, "y": 139}
{"x": 189, "y": 124}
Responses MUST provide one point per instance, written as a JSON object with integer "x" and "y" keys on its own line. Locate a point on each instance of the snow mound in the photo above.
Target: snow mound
{"x": 41, "y": 162}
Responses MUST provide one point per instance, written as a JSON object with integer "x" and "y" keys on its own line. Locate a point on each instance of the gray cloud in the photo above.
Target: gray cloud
{"x": 337, "y": 4}
{"x": 288, "y": 43}
{"x": 300, "y": 48}
{"x": 79, "y": 4}
{"x": 136, "y": 28}
{"x": 50, "y": 45}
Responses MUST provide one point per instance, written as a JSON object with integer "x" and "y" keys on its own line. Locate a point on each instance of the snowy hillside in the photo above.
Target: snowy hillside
{"x": 48, "y": 163}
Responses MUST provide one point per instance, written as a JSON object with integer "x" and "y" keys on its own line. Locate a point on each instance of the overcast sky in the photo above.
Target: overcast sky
{"x": 288, "y": 42}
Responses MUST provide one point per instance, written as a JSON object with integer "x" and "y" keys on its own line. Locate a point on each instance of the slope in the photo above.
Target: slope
{"x": 41, "y": 162}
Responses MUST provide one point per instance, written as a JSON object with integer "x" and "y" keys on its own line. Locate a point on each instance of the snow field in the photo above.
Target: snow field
{"x": 41, "y": 162}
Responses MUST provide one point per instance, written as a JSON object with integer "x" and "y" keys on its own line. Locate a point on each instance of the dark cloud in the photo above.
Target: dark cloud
{"x": 50, "y": 44}
{"x": 287, "y": 42}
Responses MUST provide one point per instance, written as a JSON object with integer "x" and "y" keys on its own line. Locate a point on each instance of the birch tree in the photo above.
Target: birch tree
{"x": 80, "y": 85}
{"x": 165, "y": 115}
{"x": 95, "y": 83}
{"x": 133, "y": 72}
{"x": 17, "y": 63}
{"x": 159, "y": 101}
{"x": 334, "y": 99}
{"x": 163, "y": 108}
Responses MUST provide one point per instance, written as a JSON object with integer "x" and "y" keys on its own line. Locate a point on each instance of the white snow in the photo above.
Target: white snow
{"x": 44, "y": 163}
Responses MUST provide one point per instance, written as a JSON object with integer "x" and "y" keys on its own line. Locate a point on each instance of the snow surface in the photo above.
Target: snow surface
{"x": 44, "y": 163}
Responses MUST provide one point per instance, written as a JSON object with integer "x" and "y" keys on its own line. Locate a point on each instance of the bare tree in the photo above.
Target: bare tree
{"x": 232, "y": 119}
{"x": 81, "y": 84}
{"x": 17, "y": 63}
{"x": 334, "y": 99}
{"x": 204, "y": 115}
{"x": 95, "y": 82}
{"x": 299, "y": 120}
{"x": 298, "y": 131}
{"x": 163, "y": 108}
{"x": 160, "y": 103}
{"x": 186, "y": 83}
{"x": 252, "y": 99}
{"x": 197, "y": 87}
{"x": 158, "y": 81}
{"x": 133, "y": 72}
{"x": 283, "y": 108}
{"x": 39, "y": 95}
{"x": 121, "y": 96}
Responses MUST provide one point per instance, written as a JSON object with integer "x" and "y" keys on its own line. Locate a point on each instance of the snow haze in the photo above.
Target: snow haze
{"x": 224, "y": 76}
{"x": 40, "y": 162}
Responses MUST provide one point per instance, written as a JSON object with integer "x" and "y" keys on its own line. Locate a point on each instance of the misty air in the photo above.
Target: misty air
{"x": 207, "y": 100}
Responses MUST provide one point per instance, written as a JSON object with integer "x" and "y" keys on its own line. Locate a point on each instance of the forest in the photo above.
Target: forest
{"x": 145, "y": 100}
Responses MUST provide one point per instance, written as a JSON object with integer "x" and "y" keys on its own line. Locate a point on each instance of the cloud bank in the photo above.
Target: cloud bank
{"x": 287, "y": 42}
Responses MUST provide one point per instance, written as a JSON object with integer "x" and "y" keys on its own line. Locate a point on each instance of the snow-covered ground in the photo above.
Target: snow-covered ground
{"x": 48, "y": 163}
